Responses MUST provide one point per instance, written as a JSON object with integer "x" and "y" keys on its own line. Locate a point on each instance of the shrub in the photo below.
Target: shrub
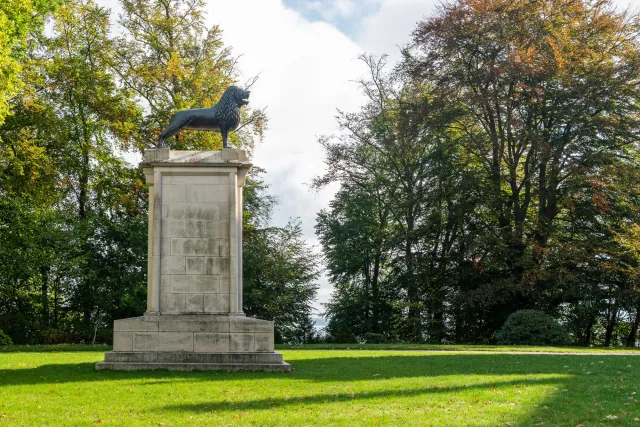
{"x": 531, "y": 327}
{"x": 56, "y": 336}
{"x": 5, "y": 339}
{"x": 373, "y": 338}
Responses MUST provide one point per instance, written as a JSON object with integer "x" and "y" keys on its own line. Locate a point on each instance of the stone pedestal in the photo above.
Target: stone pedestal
{"x": 194, "y": 318}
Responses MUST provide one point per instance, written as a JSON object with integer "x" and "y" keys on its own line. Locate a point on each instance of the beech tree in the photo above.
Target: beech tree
{"x": 18, "y": 20}
{"x": 172, "y": 61}
{"x": 550, "y": 97}
{"x": 505, "y": 142}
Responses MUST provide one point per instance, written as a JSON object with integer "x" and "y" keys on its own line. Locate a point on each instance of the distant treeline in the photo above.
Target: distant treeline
{"x": 494, "y": 168}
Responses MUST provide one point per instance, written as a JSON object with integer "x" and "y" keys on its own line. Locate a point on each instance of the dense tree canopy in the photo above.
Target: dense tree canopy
{"x": 73, "y": 212}
{"x": 504, "y": 148}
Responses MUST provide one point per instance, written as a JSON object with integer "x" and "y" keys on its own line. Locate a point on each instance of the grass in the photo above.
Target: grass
{"x": 45, "y": 385}
{"x": 462, "y": 347}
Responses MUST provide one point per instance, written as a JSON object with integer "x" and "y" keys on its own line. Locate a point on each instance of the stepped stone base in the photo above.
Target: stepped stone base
{"x": 175, "y": 361}
{"x": 193, "y": 342}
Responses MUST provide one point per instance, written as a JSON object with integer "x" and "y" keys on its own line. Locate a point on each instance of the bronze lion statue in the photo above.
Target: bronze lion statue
{"x": 223, "y": 116}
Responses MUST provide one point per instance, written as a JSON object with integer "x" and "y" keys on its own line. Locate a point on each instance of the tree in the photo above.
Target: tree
{"x": 279, "y": 268}
{"x": 550, "y": 97}
{"x": 352, "y": 234}
{"x": 399, "y": 149}
{"x": 18, "y": 20}
{"x": 173, "y": 62}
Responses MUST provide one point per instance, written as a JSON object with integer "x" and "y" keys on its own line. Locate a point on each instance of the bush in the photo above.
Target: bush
{"x": 531, "y": 327}
{"x": 56, "y": 336}
{"x": 5, "y": 339}
{"x": 373, "y": 338}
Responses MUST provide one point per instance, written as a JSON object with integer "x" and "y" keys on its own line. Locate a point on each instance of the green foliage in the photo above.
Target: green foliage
{"x": 172, "y": 62}
{"x": 279, "y": 268}
{"x": 5, "y": 339}
{"x": 56, "y": 336}
{"x": 18, "y": 19}
{"x": 531, "y": 327}
{"x": 502, "y": 151}
{"x": 73, "y": 213}
{"x": 373, "y": 338}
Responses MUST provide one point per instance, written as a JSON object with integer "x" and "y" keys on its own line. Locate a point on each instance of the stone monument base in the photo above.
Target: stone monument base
{"x": 193, "y": 342}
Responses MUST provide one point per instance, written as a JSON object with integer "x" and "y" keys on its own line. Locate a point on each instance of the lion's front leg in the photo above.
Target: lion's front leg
{"x": 225, "y": 134}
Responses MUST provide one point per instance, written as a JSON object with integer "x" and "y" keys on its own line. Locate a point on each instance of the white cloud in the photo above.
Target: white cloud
{"x": 307, "y": 71}
{"x": 332, "y": 9}
{"x": 391, "y": 26}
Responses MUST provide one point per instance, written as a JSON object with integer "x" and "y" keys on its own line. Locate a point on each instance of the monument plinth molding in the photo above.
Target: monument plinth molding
{"x": 194, "y": 318}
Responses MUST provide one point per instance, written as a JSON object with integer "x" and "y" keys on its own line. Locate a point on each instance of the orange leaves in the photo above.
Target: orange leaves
{"x": 599, "y": 199}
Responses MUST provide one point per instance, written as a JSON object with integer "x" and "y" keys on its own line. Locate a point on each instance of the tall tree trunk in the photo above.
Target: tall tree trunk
{"x": 44, "y": 296}
{"x": 588, "y": 332}
{"x": 632, "y": 338}
{"x": 415, "y": 330}
{"x": 367, "y": 302}
{"x": 375, "y": 291}
{"x": 56, "y": 287}
{"x": 611, "y": 324}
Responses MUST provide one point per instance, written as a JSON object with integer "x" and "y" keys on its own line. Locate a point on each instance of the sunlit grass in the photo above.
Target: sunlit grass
{"x": 327, "y": 388}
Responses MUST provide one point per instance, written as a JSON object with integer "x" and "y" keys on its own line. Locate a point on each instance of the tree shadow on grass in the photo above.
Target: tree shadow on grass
{"x": 54, "y": 348}
{"x": 357, "y": 367}
{"x": 314, "y": 369}
{"x": 223, "y": 405}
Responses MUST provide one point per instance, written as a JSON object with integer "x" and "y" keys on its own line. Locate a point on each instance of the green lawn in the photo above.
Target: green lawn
{"x": 59, "y": 386}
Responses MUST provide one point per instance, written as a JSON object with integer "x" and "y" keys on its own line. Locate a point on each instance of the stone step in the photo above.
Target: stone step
{"x": 184, "y": 357}
{"x": 130, "y": 366}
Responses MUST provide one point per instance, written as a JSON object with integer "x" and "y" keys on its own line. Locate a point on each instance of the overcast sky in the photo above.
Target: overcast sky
{"x": 306, "y": 53}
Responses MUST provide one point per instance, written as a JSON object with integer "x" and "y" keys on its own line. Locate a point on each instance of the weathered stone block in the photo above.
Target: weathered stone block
{"x": 216, "y": 303}
{"x": 194, "y": 323}
{"x": 195, "y": 284}
{"x": 194, "y": 179}
{"x": 174, "y": 228}
{"x": 174, "y": 193}
{"x": 211, "y": 343}
{"x": 173, "y": 303}
{"x": 138, "y": 356}
{"x": 175, "y": 341}
{"x": 232, "y": 154}
{"x": 223, "y": 179}
{"x": 225, "y": 283}
{"x": 248, "y": 324}
{"x": 165, "y": 284}
{"x": 196, "y": 265}
{"x": 240, "y": 343}
{"x": 195, "y": 247}
{"x": 216, "y": 194}
{"x": 199, "y": 229}
{"x": 195, "y": 193}
{"x": 263, "y": 342}
{"x": 123, "y": 341}
{"x": 156, "y": 154}
{"x": 145, "y": 341}
{"x": 216, "y": 265}
{"x": 143, "y": 323}
{"x": 195, "y": 303}
{"x": 223, "y": 211}
{"x": 222, "y": 265}
{"x": 172, "y": 265}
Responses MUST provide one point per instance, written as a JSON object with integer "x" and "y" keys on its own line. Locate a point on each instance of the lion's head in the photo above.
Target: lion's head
{"x": 236, "y": 95}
